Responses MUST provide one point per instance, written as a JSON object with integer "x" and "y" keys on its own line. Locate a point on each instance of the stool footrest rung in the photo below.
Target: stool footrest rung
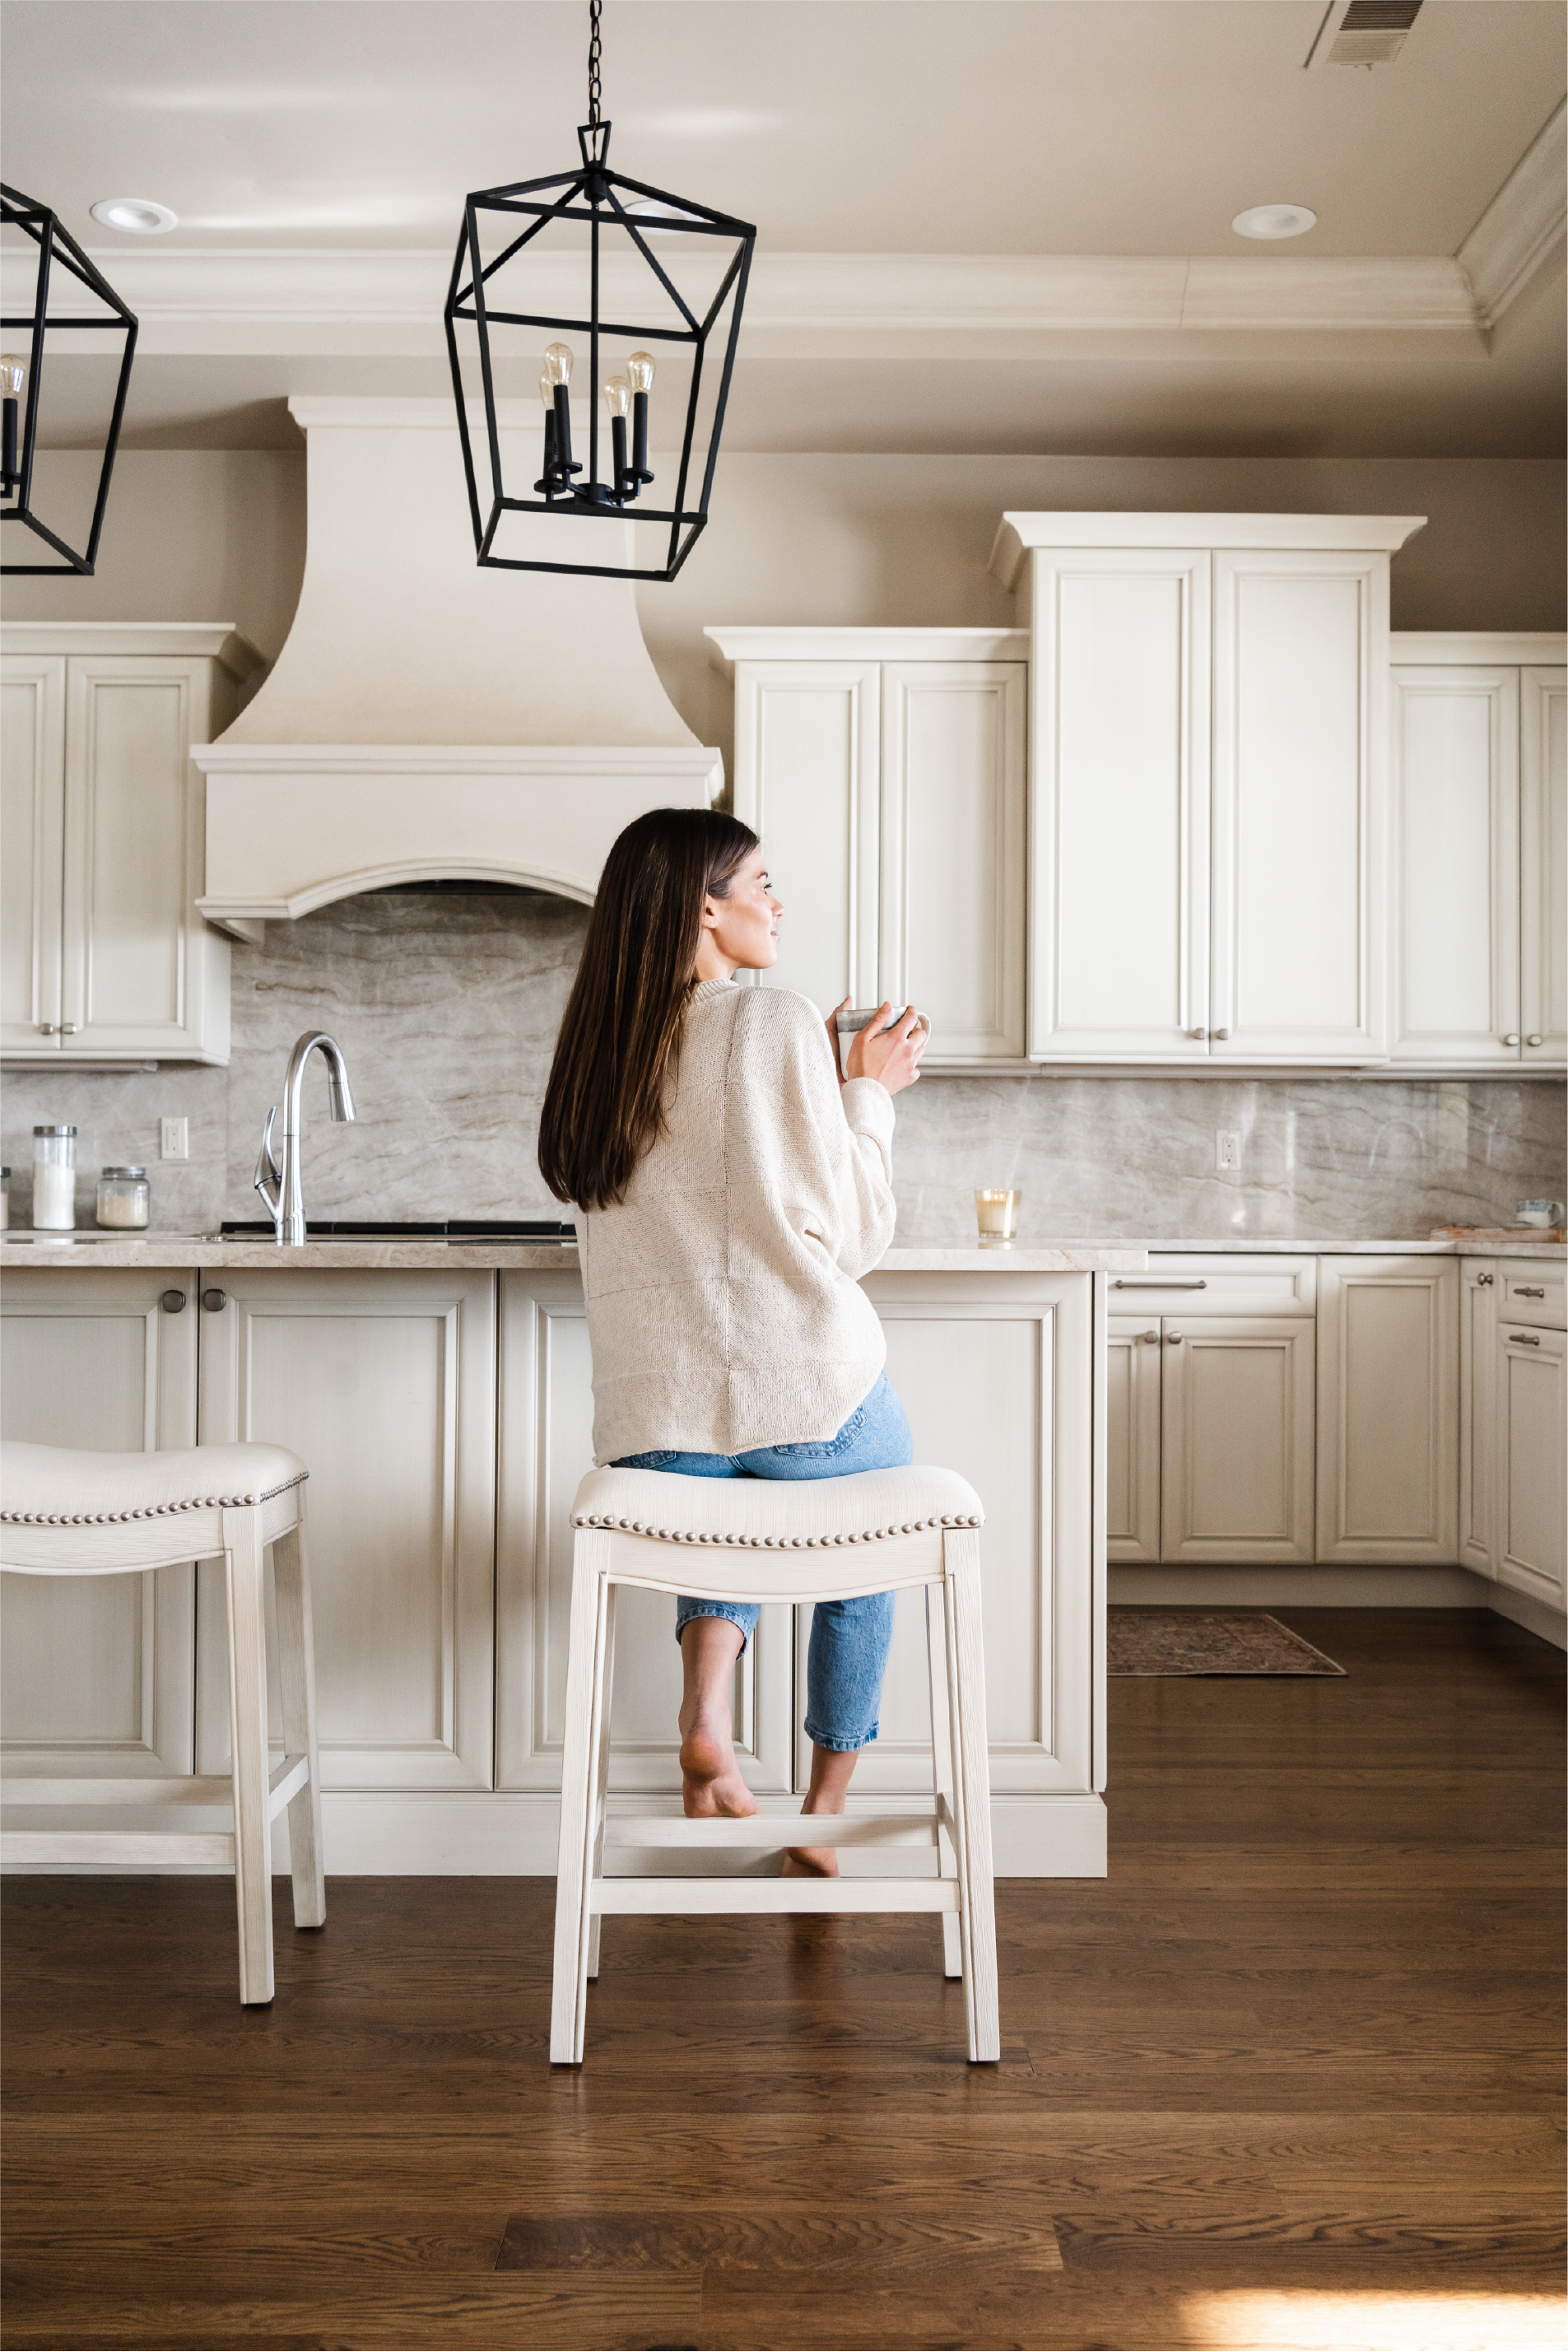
{"x": 285, "y": 1781}
{"x": 152, "y": 1848}
{"x": 719, "y": 1895}
{"x": 772, "y": 1830}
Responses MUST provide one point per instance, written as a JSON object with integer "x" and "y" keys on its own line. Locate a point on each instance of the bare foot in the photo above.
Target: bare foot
{"x": 711, "y": 1781}
{"x": 812, "y": 1861}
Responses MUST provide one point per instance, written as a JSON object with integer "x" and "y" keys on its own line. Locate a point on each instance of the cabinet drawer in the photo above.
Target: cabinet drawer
{"x": 1531, "y": 1292}
{"x": 1186, "y": 1283}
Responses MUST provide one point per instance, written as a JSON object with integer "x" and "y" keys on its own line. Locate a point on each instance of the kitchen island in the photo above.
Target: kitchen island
{"x": 440, "y": 1393}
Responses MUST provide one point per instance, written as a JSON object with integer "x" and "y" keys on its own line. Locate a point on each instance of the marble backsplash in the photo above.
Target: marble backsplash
{"x": 446, "y": 1007}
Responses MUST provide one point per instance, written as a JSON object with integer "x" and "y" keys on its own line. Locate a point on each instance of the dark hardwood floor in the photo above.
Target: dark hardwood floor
{"x": 1292, "y": 2075}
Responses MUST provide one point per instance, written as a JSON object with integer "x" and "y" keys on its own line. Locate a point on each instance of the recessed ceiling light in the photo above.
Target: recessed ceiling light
{"x": 138, "y": 214}
{"x": 1274, "y": 220}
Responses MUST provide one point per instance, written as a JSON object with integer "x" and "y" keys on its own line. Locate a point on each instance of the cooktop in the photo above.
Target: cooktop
{"x": 409, "y": 1229}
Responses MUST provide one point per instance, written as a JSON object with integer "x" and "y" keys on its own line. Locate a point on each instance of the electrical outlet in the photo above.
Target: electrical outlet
{"x": 174, "y": 1138}
{"x": 1227, "y": 1147}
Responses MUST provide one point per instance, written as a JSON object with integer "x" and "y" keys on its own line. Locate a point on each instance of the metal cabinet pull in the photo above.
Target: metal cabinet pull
{"x": 1512, "y": 1037}
{"x": 1160, "y": 1282}
{"x": 1535, "y": 1039}
{"x": 215, "y": 1301}
{"x": 1198, "y": 1032}
{"x": 1174, "y": 1339}
{"x": 1525, "y": 1339}
{"x": 1151, "y": 1339}
{"x": 69, "y": 1028}
{"x": 1220, "y": 1034}
{"x": 45, "y": 1028}
{"x": 1485, "y": 1281}
{"x": 172, "y": 1302}
{"x": 1527, "y": 1290}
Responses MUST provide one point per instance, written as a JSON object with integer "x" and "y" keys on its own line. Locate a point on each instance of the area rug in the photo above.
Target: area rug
{"x": 1208, "y": 1641}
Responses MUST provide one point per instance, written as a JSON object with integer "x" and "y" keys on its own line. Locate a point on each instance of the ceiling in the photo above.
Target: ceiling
{"x": 298, "y": 137}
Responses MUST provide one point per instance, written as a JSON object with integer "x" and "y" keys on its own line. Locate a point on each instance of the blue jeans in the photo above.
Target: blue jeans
{"x": 848, "y": 1652}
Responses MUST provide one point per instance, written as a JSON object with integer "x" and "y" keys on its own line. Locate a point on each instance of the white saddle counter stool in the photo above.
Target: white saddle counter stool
{"x": 782, "y": 1541}
{"x": 65, "y": 1513}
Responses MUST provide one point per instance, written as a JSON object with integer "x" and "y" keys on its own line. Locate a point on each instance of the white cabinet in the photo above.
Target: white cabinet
{"x": 1388, "y": 1409}
{"x": 1478, "y": 1349}
{"x": 384, "y": 1383}
{"x": 98, "y": 1670}
{"x": 1207, "y": 783}
{"x": 1210, "y": 1409}
{"x": 1531, "y": 1461}
{"x": 105, "y": 958}
{"x": 1480, "y": 857}
{"x": 884, "y": 771}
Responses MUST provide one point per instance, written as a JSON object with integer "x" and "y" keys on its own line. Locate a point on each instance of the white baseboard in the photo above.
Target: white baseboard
{"x": 1222, "y": 1587}
{"x": 499, "y": 1833}
{"x": 1524, "y": 1609}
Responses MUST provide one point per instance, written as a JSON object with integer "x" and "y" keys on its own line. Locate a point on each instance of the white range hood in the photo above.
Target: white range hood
{"x": 427, "y": 719}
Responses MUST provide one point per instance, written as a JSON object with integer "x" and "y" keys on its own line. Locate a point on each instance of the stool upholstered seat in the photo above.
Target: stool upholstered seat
{"x": 759, "y": 1539}
{"x": 66, "y": 1512}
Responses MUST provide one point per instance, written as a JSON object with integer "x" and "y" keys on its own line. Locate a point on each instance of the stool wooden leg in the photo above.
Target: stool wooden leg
{"x": 598, "y": 1795}
{"x": 247, "y": 1725}
{"x": 942, "y": 1769}
{"x": 585, "y": 1698}
{"x": 967, "y": 1685}
{"x": 296, "y": 1676}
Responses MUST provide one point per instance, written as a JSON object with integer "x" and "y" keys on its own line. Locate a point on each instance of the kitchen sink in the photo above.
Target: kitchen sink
{"x": 529, "y": 1231}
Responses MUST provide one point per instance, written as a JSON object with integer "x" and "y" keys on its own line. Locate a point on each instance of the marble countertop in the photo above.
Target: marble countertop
{"x": 959, "y": 1255}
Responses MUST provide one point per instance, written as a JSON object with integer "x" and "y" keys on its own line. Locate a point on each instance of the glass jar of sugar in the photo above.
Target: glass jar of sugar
{"x": 54, "y": 1178}
{"x": 124, "y": 1197}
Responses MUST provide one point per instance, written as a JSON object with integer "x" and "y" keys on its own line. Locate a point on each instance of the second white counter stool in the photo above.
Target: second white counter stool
{"x": 772, "y": 1540}
{"x": 69, "y": 1513}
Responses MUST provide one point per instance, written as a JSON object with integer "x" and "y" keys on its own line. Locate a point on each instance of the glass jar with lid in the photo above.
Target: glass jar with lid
{"x": 124, "y": 1197}
{"x": 54, "y": 1178}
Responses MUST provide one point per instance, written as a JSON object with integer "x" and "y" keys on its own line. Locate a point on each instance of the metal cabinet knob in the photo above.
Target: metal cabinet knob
{"x": 1220, "y": 1034}
{"x": 1484, "y": 1281}
{"x": 1151, "y": 1339}
{"x": 1198, "y": 1032}
{"x": 1174, "y": 1338}
{"x": 1535, "y": 1038}
{"x": 45, "y": 1028}
{"x": 215, "y": 1301}
{"x": 1511, "y": 1038}
{"x": 172, "y": 1302}
{"x": 69, "y": 1028}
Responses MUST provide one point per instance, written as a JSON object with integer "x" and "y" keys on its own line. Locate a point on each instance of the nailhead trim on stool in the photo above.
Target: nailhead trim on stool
{"x": 151, "y": 1510}
{"x": 768, "y": 1543}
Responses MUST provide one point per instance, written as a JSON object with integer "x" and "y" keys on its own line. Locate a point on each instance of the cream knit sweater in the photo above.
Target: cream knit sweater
{"x": 722, "y": 1306}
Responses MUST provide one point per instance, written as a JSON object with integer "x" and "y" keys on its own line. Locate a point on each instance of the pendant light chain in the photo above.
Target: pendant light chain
{"x": 595, "y": 53}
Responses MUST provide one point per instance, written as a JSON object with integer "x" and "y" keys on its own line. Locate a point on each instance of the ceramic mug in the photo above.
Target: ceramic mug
{"x": 1539, "y": 1212}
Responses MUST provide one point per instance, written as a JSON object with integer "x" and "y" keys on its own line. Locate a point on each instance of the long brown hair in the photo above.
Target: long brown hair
{"x": 621, "y": 1030}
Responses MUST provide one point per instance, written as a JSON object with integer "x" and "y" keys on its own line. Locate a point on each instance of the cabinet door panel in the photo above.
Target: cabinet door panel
{"x": 1119, "y": 843}
{"x": 1300, "y": 652}
{"x": 1388, "y": 1409}
{"x": 1544, "y": 866}
{"x": 1237, "y": 1439}
{"x": 1532, "y": 1461}
{"x": 384, "y": 1384}
{"x": 997, "y": 1387}
{"x": 138, "y": 962}
{"x": 98, "y": 1670}
{"x": 547, "y": 1443}
{"x": 1456, "y": 864}
{"x": 32, "y": 815}
{"x": 1478, "y": 1418}
{"x": 953, "y": 850}
{"x": 1133, "y": 1430}
{"x": 807, "y": 780}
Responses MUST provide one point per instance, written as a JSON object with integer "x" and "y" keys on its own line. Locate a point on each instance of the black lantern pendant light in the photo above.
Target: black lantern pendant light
{"x": 21, "y": 374}
{"x": 647, "y": 282}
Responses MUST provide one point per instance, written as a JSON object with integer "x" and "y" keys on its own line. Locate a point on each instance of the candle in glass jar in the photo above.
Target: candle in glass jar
{"x": 997, "y": 1211}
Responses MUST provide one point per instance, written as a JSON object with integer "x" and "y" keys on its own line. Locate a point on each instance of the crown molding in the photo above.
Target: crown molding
{"x": 1521, "y": 227}
{"x": 807, "y": 304}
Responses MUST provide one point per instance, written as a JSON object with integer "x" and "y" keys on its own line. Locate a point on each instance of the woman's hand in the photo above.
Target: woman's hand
{"x": 891, "y": 1056}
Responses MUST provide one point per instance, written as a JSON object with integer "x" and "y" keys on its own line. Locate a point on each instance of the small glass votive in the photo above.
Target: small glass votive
{"x": 997, "y": 1216}
{"x": 124, "y": 1197}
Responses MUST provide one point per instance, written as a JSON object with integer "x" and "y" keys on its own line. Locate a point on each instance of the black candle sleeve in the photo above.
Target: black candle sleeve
{"x": 640, "y": 436}
{"x": 9, "y": 460}
{"x": 625, "y": 485}
{"x": 563, "y": 432}
{"x": 549, "y": 484}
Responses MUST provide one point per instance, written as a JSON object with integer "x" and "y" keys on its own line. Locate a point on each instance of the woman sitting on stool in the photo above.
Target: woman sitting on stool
{"x": 731, "y": 1189}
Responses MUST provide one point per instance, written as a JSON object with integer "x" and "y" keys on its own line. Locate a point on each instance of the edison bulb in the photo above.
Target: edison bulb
{"x": 547, "y": 390}
{"x": 616, "y": 395}
{"x": 13, "y": 375}
{"x": 559, "y": 362}
{"x": 641, "y": 368}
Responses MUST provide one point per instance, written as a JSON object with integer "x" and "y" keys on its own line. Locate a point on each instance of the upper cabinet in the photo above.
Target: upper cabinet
{"x": 104, "y": 956}
{"x": 1479, "y": 864}
{"x": 885, "y": 769}
{"x": 1208, "y": 777}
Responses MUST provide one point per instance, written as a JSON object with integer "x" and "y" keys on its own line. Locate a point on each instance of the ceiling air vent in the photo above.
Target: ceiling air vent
{"x": 1364, "y": 33}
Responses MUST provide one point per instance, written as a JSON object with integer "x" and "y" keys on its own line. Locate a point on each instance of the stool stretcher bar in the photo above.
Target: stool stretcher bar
{"x": 774, "y": 1832}
{"x": 652, "y": 1896}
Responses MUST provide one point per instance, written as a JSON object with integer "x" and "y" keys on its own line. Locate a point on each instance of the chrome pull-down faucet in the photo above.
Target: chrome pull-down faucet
{"x": 281, "y": 1184}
